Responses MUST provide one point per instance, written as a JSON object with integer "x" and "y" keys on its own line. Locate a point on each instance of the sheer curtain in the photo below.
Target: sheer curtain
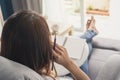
{"x": 35, "y": 5}
{"x": 68, "y": 12}
{"x": 53, "y": 10}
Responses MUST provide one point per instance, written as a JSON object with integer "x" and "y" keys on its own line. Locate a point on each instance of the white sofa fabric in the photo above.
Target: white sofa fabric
{"x": 10, "y": 70}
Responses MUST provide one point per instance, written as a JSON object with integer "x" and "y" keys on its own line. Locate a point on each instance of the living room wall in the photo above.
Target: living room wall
{"x": 109, "y": 26}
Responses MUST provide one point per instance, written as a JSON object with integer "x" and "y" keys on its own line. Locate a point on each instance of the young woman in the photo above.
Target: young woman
{"x": 26, "y": 40}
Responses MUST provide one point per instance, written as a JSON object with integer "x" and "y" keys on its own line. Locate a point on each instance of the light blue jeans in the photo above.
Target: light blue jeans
{"x": 88, "y": 35}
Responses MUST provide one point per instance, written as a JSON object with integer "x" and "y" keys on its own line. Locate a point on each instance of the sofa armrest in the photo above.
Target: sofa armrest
{"x": 105, "y": 43}
{"x": 10, "y": 70}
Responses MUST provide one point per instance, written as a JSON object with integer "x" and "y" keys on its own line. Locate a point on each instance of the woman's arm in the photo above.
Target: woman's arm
{"x": 76, "y": 71}
{"x": 61, "y": 57}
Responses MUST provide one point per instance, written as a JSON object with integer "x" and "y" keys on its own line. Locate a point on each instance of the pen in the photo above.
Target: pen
{"x": 53, "y": 49}
{"x": 54, "y": 42}
{"x": 54, "y": 45}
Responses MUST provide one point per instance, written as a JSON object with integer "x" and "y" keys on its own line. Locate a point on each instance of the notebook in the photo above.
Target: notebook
{"x": 74, "y": 45}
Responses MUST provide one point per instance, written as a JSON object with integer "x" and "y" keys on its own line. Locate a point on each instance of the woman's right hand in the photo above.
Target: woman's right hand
{"x": 61, "y": 56}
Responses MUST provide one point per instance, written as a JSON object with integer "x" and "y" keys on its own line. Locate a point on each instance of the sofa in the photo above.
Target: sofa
{"x": 104, "y": 64}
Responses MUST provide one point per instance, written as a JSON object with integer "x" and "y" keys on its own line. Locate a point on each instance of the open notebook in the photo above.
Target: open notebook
{"x": 74, "y": 45}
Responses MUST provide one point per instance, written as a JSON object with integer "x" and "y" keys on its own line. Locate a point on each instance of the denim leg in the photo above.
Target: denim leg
{"x": 84, "y": 67}
{"x": 88, "y": 35}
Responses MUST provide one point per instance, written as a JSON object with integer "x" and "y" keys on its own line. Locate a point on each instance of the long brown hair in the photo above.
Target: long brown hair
{"x": 26, "y": 39}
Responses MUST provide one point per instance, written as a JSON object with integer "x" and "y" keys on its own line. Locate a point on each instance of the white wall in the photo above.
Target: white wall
{"x": 110, "y": 26}
{"x": 115, "y": 18}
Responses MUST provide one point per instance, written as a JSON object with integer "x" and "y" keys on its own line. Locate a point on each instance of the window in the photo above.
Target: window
{"x": 72, "y": 7}
{"x": 66, "y": 12}
{"x": 100, "y": 7}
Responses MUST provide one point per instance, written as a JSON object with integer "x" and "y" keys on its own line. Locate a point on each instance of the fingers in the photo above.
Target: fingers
{"x": 59, "y": 50}
{"x": 58, "y": 55}
{"x": 92, "y": 24}
{"x": 57, "y": 46}
{"x": 60, "y": 47}
{"x": 92, "y": 17}
{"x": 88, "y": 23}
{"x": 55, "y": 54}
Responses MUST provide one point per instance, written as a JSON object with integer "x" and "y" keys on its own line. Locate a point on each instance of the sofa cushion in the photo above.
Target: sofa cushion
{"x": 10, "y": 70}
{"x": 111, "y": 69}
{"x": 98, "y": 59}
{"x": 105, "y": 43}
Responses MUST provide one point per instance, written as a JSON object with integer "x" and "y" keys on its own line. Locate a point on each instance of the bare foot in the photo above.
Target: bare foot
{"x": 91, "y": 25}
{"x": 88, "y": 24}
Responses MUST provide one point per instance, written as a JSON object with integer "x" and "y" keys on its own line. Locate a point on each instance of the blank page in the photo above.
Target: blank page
{"x": 74, "y": 45}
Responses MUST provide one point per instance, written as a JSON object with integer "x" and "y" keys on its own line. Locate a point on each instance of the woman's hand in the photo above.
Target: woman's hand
{"x": 61, "y": 56}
